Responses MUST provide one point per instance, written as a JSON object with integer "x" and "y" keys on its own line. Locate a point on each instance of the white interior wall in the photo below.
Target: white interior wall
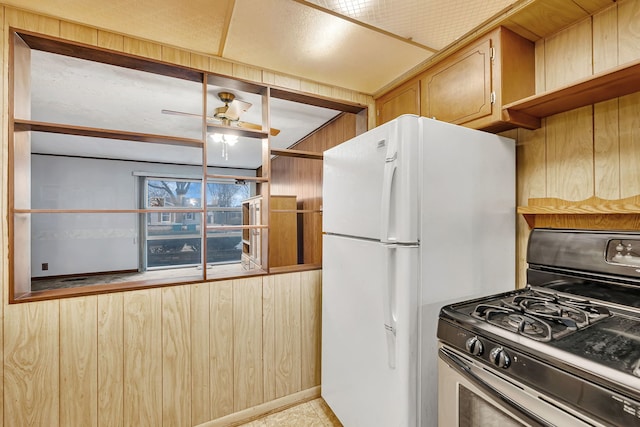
{"x": 83, "y": 243}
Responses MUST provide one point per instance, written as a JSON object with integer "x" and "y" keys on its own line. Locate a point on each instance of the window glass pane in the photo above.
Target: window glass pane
{"x": 174, "y": 193}
{"x": 108, "y": 96}
{"x": 224, "y": 246}
{"x": 224, "y": 201}
{"x": 173, "y": 243}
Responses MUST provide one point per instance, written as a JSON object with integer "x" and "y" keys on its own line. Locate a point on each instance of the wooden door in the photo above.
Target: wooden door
{"x": 459, "y": 89}
{"x": 404, "y": 100}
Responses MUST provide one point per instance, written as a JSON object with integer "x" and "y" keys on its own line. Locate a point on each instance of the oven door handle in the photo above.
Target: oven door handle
{"x": 497, "y": 396}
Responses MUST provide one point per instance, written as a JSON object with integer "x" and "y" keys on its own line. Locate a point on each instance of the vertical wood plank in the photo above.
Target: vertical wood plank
{"x": 142, "y": 48}
{"x": 32, "y": 22}
{"x": 111, "y": 41}
{"x": 199, "y": 62}
{"x": 269, "y": 338}
{"x": 222, "y": 335}
{"x": 531, "y": 182}
{"x": 311, "y": 323}
{"x": 221, "y": 66}
{"x": 247, "y": 73}
{"x": 605, "y": 39}
{"x": 200, "y": 325}
{"x": 143, "y": 358}
{"x": 568, "y": 55}
{"x": 176, "y": 56}
{"x": 606, "y": 146}
{"x": 4, "y": 257}
{"x": 78, "y": 33}
{"x": 110, "y": 360}
{"x": 78, "y": 362}
{"x": 629, "y": 145}
{"x": 570, "y": 154}
{"x": 247, "y": 344}
{"x": 176, "y": 363}
{"x": 628, "y": 30}
{"x": 287, "y": 333}
{"x": 31, "y": 370}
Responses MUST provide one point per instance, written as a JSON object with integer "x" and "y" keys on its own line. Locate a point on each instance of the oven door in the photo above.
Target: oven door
{"x": 472, "y": 394}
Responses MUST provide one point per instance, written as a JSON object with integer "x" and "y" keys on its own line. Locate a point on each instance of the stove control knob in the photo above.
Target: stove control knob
{"x": 500, "y": 358}
{"x": 474, "y": 346}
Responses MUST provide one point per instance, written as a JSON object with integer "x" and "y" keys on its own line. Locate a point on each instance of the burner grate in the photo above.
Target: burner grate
{"x": 541, "y": 316}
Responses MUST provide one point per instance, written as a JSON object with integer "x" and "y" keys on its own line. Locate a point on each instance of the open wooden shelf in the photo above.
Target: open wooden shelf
{"x": 30, "y": 125}
{"x": 609, "y": 84}
{"x": 296, "y": 153}
{"x": 540, "y": 211}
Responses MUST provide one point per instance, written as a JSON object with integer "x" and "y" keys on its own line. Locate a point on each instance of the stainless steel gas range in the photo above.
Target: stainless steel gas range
{"x": 563, "y": 351}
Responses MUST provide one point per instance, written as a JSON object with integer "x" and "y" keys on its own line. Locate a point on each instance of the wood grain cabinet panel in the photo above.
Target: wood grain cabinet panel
{"x": 460, "y": 90}
{"x": 470, "y": 86}
{"x": 403, "y": 100}
{"x": 283, "y": 231}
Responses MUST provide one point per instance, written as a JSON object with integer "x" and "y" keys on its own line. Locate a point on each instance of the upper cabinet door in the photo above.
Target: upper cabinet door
{"x": 459, "y": 89}
{"x": 403, "y": 100}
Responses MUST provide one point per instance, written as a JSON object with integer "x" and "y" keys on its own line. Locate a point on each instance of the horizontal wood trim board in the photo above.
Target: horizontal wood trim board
{"x": 296, "y": 153}
{"x": 238, "y": 177}
{"x": 94, "y": 53}
{"x": 593, "y": 205}
{"x": 29, "y": 125}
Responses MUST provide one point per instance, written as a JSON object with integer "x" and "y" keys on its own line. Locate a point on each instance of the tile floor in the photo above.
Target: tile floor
{"x": 315, "y": 413}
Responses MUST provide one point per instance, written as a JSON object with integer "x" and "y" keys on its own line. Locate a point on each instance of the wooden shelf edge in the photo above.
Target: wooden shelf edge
{"x": 25, "y": 125}
{"x": 615, "y": 82}
{"x": 592, "y": 206}
{"x": 296, "y": 153}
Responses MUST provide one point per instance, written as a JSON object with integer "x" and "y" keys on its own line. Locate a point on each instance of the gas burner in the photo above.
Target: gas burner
{"x": 514, "y": 320}
{"x": 539, "y": 315}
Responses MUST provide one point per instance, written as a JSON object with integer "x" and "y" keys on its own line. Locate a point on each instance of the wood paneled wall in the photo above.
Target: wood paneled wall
{"x": 303, "y": 178}
{"x": 173, "y": 356}
{"x": 589, "y": 151}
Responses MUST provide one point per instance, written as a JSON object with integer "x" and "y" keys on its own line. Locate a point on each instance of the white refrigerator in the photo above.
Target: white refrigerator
{"x": 417, "y": 213}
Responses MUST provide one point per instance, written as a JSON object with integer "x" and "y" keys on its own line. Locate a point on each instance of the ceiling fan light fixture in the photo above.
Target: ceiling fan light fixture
{"x": 226, "y": 139}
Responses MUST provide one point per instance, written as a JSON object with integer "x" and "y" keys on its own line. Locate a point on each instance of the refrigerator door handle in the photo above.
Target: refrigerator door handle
{"x": 390, "y": 167}
{"x": 390, "y": 305}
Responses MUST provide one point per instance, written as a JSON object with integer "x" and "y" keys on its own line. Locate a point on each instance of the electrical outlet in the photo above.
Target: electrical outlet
{"x": 45, "y": 266}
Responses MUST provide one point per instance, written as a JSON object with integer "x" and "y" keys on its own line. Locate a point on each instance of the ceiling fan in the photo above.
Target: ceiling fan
{"x": 228, "y": 114}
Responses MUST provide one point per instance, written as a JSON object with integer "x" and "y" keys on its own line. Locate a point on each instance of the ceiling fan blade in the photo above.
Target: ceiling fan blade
{"x": 254, "y": 126}
{"x": 235, "y": 108}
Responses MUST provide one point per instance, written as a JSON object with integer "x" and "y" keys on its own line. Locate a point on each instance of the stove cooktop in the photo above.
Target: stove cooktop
{"x": 541, "y": 315}
{"x": 584, "y": 328}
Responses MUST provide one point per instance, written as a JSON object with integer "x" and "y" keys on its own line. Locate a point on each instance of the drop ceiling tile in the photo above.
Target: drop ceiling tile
{"x": 194, "y": 24}
{"x": 432, "y": 23}
{"x": 289, "y": 37}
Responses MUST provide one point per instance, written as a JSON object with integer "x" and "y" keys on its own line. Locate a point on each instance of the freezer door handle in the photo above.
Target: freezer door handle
{"x": 389, "y": 295}
{"x": 390, "y": 167}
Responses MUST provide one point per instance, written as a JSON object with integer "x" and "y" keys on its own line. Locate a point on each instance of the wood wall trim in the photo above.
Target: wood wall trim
{"x": 258, "y": 411}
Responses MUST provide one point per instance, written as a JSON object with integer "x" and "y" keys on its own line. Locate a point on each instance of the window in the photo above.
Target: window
{"x": 127, "y": 173}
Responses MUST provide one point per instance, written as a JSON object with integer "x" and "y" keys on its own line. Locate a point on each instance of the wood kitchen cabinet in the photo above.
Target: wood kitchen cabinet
{"x": 283, "y": 232}
{"x": 470, "y": 86}
{"x": 403, "y": 100}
